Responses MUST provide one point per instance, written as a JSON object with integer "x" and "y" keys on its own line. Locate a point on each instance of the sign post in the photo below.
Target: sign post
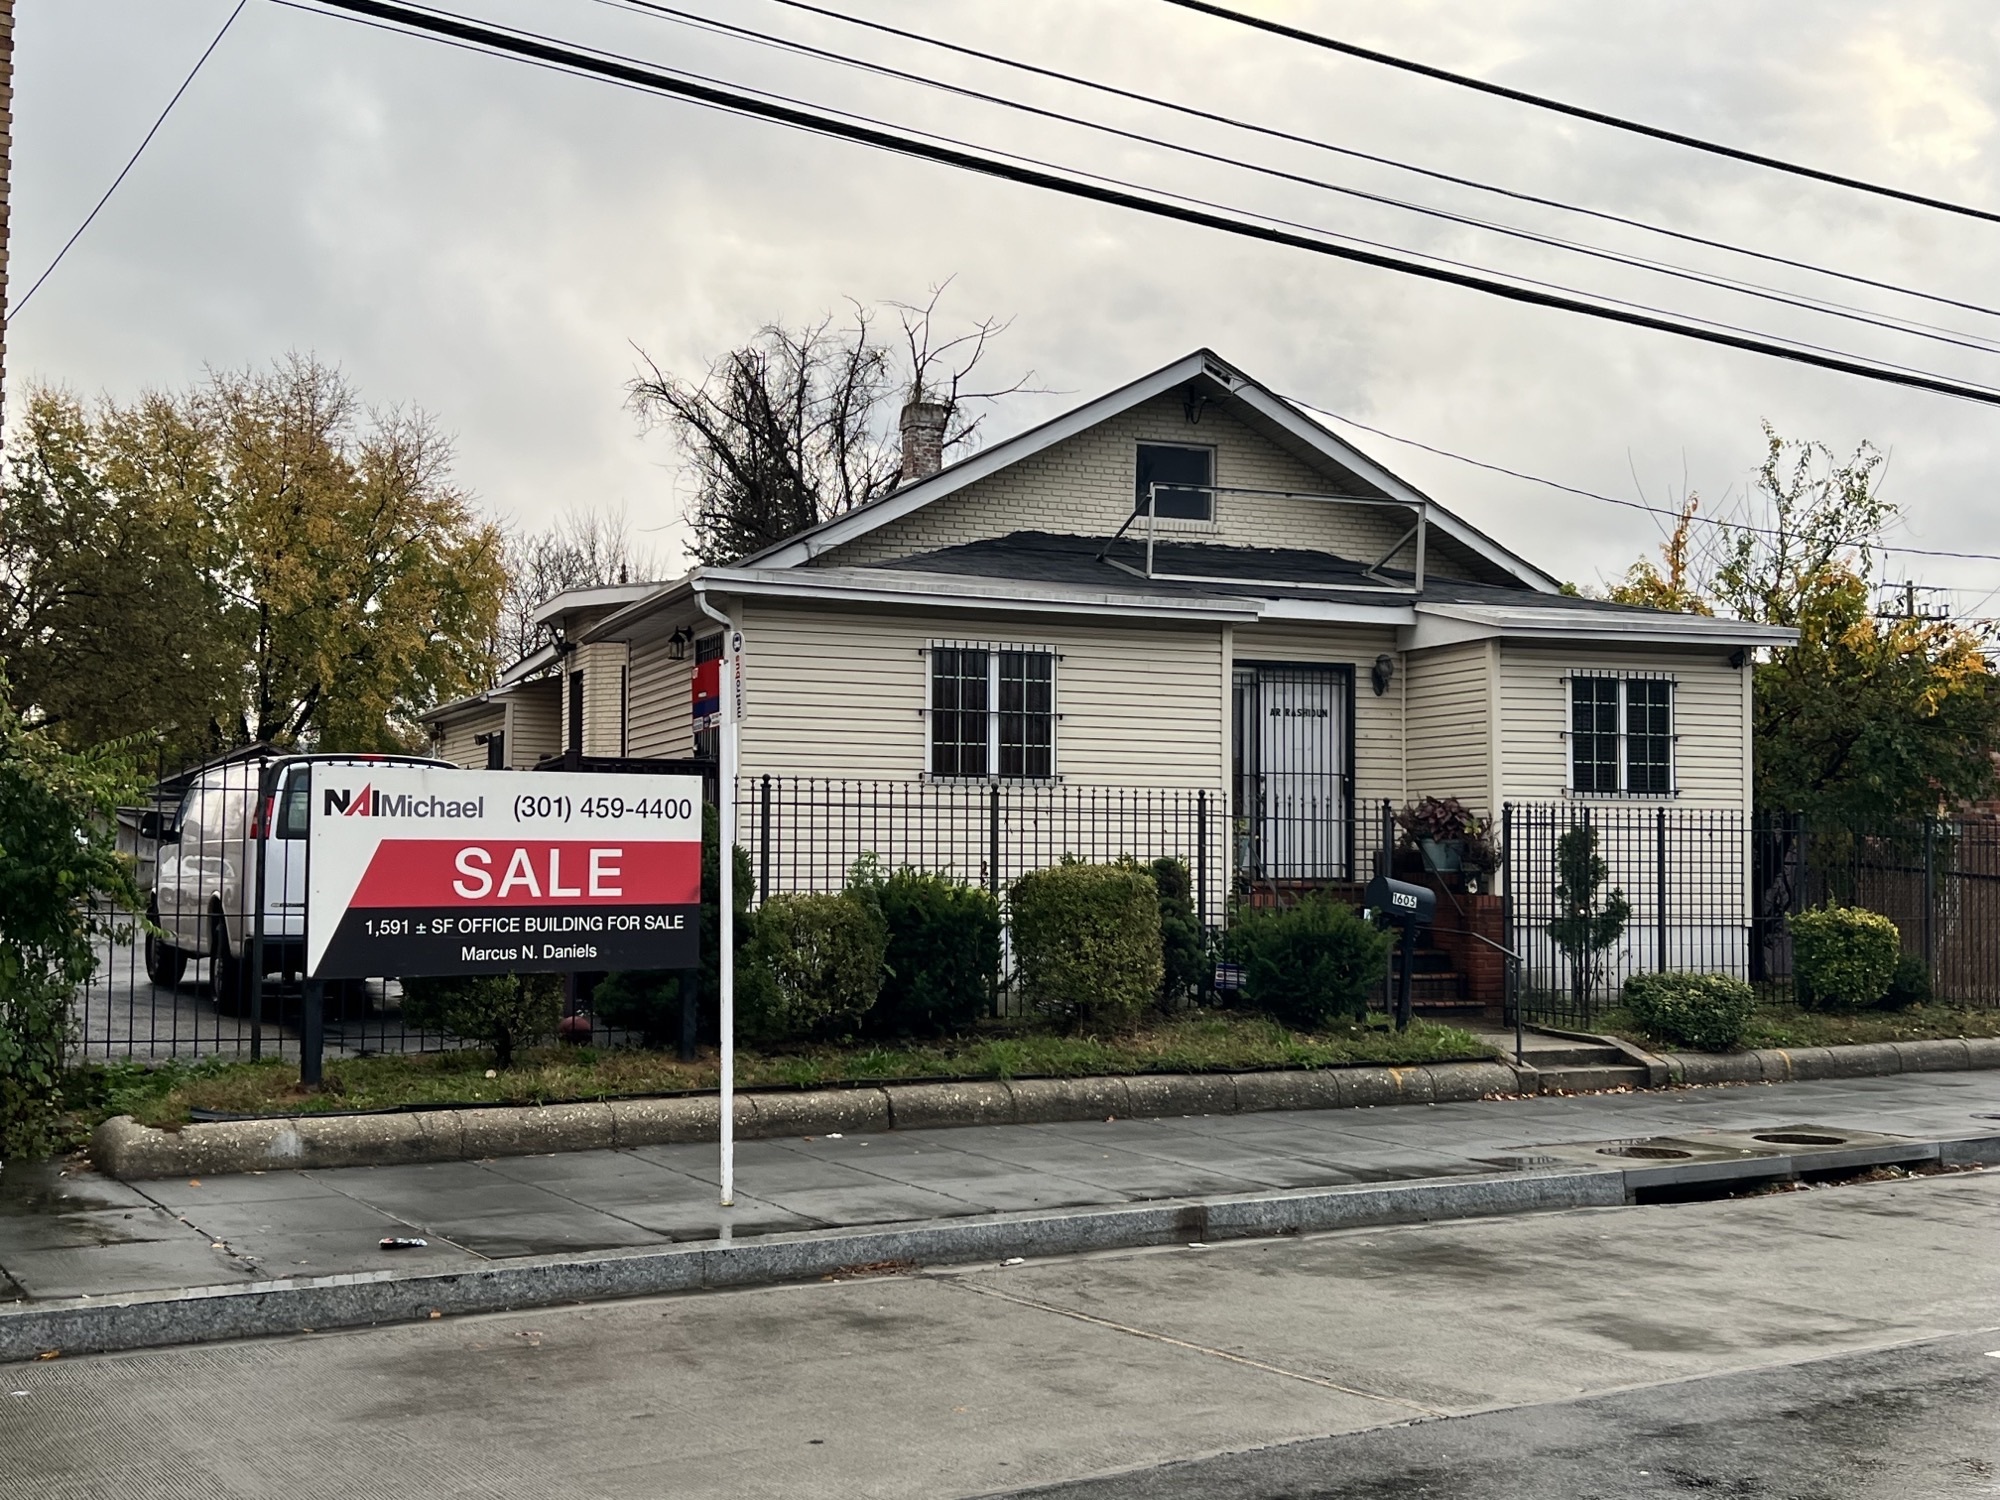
{"x": 422, "y": 870}
{"x": 725, "y": 959}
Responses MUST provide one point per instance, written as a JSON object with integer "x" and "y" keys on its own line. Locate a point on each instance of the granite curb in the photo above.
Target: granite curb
{"x": 205, "y": 1314}
{"x": 124, "y": 1149}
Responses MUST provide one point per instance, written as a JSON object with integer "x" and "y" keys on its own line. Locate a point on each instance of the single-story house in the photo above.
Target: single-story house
{"x": 1187, "y": 585}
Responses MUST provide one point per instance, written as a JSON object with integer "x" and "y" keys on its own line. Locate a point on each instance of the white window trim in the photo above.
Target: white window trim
{"x": 1622, "y": 676}
{"x": 1180, "y": 525}
{"x": 993, "y": 650}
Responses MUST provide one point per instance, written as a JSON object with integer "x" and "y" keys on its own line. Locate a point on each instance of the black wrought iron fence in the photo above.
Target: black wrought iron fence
{"x": 1937, "y": 879}
{"x": 807, "y": 833}
{"x": 1596, "y": 894}
{"x": 212, "y": 838}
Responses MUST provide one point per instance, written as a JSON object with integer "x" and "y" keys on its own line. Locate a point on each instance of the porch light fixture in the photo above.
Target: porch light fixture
{"x": 1382, "y": 673}
{"x": 678, "y": 643}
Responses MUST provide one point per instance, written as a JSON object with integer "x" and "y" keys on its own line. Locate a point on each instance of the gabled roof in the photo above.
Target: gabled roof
{"x": 1256, "y": 406}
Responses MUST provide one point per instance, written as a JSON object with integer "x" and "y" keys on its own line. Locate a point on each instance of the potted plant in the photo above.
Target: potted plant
{"x": 1441, "y": 828}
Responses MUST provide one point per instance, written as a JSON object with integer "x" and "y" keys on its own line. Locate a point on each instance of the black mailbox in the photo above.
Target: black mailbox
{"x": 1409, "y": 907}
{"x": 1399, "y": 901}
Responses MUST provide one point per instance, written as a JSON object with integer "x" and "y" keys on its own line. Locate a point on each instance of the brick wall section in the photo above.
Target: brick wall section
{"x": 1084, "y": 486}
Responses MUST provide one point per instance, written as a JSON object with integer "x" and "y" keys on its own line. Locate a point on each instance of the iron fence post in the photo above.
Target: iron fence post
{"x": 1201, "y": 856}
{"x": 1930, "y": 896}
{"x": 1510, "y": 991}
{"x": 993, "y": 870}
{"x": 253, "y": 947}
{"x": 312, "y": 1034}
{"x": 1660, "y": 890}
{"x": 1387, "y": 872}
{"x": 764, "y": 840}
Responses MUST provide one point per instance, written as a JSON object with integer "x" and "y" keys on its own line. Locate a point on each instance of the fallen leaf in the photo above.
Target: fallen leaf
{"x": 194, "y": 1182}
{"x": 50, "y": 1354}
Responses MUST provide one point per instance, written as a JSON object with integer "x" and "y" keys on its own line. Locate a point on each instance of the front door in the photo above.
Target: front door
{"x": 1294, "y": 802}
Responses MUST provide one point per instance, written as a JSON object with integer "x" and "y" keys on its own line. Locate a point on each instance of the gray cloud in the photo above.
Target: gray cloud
{"x": 489, "y": 241}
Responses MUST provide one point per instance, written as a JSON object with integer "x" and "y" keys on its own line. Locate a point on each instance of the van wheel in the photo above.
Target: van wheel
{"x": 228, "y": 977}
{"x": 165, "y": 964}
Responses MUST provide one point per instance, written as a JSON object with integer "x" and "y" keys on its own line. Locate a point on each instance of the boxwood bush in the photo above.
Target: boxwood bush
{"x": 505, "y": 1011}
{"x": 1184, "y": 953}
{"x": 1709, "y": 1012}
{"x": 1309, "y": 964}
{"x": 1843, "y": 957}
{"x": 812, "y": 967}
{"x": 1087, "y": 943}
{"x": 943, "y": 952}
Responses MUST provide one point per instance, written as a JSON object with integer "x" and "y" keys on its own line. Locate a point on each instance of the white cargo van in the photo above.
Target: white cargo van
{"x": 206, "y": 870}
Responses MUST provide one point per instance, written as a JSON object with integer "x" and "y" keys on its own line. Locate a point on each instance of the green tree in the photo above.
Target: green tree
{"x": 1590, "y": 919}
{"x": 1866, "y": 717}
{"x": 255, "y": 558}
{"x": 60, "y": 877}
{"x": 113, "y": 619}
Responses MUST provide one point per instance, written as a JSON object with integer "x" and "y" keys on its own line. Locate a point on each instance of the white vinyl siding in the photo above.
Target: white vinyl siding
{"x": 842, "y": 692}
{"x": 1084, "y": 487}
{"x": 534, "y": 722}
{"x": 662, "y": 717}
{"x": 1710, "y": 749}
{"x": 1378, "y": 722}
{"x": 460, "y": 744}
{"x": 1448, "y": 739}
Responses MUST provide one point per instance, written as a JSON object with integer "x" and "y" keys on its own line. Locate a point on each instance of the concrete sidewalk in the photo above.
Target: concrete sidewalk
{"x": 68, "y": 1235}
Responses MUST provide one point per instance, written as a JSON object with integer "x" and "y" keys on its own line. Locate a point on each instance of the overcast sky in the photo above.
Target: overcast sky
{"x": 490, "y": 241}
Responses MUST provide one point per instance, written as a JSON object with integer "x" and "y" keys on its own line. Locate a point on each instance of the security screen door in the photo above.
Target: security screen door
{"x": 1294, "y": 789}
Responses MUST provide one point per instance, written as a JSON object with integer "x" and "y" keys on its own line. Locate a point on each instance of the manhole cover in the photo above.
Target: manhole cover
{"x": 1800, "y": 1138}
{"x": 1650, "y": 1153}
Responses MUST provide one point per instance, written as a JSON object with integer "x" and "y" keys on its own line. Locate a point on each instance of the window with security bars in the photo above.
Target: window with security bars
{"x": 992, "y": 713}
{"x": 1621, "y": 735}
{"x": 1027, "y": 714}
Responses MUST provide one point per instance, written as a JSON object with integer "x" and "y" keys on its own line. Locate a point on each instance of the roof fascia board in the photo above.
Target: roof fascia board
{"x": 597, "y": 597}
{"x": 1443, "y": 625}
{"x": 807, "y": 545}
{"x": 1337, "y": 611}
{"x": 930, "y": 591}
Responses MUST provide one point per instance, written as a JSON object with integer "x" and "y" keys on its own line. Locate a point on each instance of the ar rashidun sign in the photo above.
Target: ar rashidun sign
{"x": 419, "y": 870}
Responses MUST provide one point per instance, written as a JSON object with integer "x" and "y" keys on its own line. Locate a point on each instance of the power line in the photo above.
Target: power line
{"x": 1570, "y": 489}
{"x": 28, "y": 296}
{"x": 1725, "y": 283}
{"x": 1596, "y": 117}
{"x": 544, "y": 51}
{"x": 1273, "y": 133}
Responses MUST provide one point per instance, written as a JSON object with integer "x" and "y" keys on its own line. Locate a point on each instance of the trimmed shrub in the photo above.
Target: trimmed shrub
{"x": 942, "y": 956}
{"x": 812, "y": 967}
{"x": 1843, "y": 957}
{"x": 1909, "y": 985}
{"x": 505, "y": 1011}
{"x": 1087, "y": 943}
{"x": 1309, "y": 964}
{"x": 1709, "y": 1012}
{"x": 1184, "y": 959}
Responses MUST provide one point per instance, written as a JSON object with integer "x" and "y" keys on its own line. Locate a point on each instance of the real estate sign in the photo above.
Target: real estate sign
{"x": 420, "y": 870}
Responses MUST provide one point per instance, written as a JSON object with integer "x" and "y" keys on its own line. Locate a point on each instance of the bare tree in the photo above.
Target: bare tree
{"x": 581, "y": 548}
{"x": 799, "y": 425}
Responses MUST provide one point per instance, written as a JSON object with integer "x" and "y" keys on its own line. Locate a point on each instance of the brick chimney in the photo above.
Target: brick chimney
{"x": 922, "y": 425}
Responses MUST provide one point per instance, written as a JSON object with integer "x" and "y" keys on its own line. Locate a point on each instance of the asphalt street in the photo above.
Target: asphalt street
{"x": 1780, "y": 1345}
{"x": 1920, "y": 1422}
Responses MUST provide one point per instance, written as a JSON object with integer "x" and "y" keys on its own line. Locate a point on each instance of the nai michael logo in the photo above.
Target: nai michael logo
{"x": 367, "y": 803}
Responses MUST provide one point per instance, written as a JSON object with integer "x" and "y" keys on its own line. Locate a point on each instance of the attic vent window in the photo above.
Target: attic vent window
{"x": 1179, "y": 481}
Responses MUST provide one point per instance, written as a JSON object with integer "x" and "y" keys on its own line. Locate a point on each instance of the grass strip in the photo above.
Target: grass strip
{"x": 164, "y": 1094}
{"x": 1777, "y": 1025}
